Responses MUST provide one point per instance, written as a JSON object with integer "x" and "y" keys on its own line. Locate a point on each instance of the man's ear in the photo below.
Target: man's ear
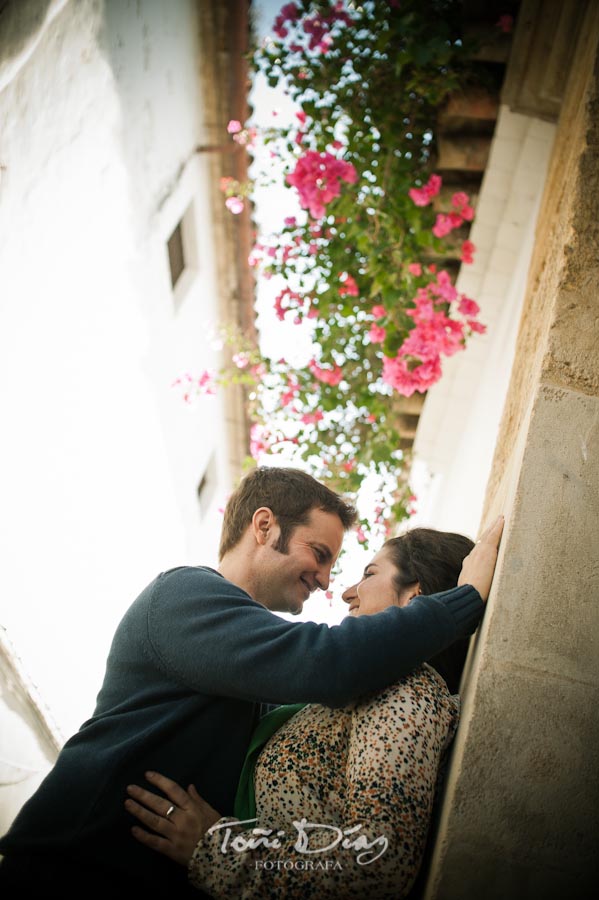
{"x": 263, "y": 521}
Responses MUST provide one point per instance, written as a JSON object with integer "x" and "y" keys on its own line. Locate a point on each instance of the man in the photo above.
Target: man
{"x": 190, "y": 662}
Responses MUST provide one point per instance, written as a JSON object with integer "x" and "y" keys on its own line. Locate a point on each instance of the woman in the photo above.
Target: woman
{"x": 366, "y": 773}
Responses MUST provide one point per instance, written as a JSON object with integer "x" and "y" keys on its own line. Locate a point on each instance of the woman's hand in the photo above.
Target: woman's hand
{"x": 478, "y": 567}
{"x": 178, "y": 822}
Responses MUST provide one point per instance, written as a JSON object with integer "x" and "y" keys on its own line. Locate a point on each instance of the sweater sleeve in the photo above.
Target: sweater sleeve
{"x": 397, "y": 740}
{"x": 213, "y": 638}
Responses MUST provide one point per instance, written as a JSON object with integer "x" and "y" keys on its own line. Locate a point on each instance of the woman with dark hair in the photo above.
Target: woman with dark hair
{"x": 341, "y": 798}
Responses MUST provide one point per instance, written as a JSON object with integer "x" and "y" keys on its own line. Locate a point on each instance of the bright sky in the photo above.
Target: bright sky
{"x": 284, "y": 338}
{"x": 272, "y": 108}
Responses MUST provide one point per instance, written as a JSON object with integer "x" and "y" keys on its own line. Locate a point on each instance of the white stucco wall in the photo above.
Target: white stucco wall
{"x": 459, "y": 423}
{"x": 101, "y": 458}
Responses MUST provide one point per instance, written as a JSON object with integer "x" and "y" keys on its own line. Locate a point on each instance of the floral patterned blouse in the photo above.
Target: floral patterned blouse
{"x": 365, "y": 773}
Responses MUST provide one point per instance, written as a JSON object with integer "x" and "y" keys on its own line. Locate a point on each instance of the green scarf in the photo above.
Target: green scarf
{"x": 245, "y": 799}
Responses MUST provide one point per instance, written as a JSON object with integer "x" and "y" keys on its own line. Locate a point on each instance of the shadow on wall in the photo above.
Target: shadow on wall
{"x": 22, "y": 25}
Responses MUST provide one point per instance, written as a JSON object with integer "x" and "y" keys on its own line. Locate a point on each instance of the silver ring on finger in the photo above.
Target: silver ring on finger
{"x": 169, "y": 812}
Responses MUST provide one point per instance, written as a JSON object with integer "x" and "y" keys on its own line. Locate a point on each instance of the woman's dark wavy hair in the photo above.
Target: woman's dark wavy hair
{"x": 434, "y": 560}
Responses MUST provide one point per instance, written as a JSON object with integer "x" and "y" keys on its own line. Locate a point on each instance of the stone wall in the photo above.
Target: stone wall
{"x": 521, "y": 810}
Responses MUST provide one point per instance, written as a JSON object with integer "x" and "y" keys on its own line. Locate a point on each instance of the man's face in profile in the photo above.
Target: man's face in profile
{"x": 286, "y": 579}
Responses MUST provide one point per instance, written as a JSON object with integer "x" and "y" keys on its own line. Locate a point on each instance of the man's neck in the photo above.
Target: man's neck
{"x": 235, "y": 569}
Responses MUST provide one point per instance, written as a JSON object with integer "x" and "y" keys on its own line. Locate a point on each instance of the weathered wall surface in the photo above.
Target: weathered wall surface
{"x": 521, "y": 812}
{"x": 101, "y": 112}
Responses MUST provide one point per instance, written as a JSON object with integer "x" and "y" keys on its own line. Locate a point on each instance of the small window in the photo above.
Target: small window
{"x": 176, "y": 254}
{"x": 183, "y": 256}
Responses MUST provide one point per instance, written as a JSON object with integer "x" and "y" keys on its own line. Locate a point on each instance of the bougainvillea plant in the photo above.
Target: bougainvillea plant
{"x": 363, "y": 265}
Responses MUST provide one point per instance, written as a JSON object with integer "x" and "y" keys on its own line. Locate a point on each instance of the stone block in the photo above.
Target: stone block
{"x": 521, "y": 810}
{"x": 547, "y": 617}
{"x": 468, "y": 153}
{"x": 474, "y": 106}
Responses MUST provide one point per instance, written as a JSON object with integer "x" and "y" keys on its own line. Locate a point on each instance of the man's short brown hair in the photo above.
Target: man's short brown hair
{"x": 291, "y": 495}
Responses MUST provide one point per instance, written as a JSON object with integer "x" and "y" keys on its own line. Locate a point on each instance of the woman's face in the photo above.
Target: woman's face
{"x": 376, "y": 590}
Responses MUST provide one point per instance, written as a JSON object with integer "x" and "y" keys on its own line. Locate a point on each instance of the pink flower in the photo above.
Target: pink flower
{"x": 461, "y": 201}
{"x": 433, "y": 336}
{"x": 379, "y": 312}
{"x": 415, "y": 269}
{"x": 301, "y": 115}
{"x": 505, "y": 23}
{"x": 406, "y": 381}
{"x": 468, "y": 307}
{"x": 327, "y": 376}
{"x": 253, "y": 259}
{"x": 206, "y": 382}
{"x": 246, "y": 138}
{"x": 349, "y": 466}
{"x": 260, "y": 440}
{"x": 259, "y": 370}
{"x": 423, "y": 196}
{"x": 289, "y": 12}
{"x": 468, "y": 249}
{"x": 317, "y": 179}
{"x": 478, "y": 327}
{"x": 234, "y": 205}
{"x": 234, "y": 126}
{"x": 377, "y": 334}
{"x": 316, "y": 27}
{"x": 348, "y": 286}
{"x": 290, "y": 221}
{"x": 192, "y": 388}
{"x": 287, "y": 300}
{"x": 226, "y": 182}
{"x": 241, "y": 360}
{"x": 442, "y": 225}
{"x": 288, "y": 395}
{"x": 443, "y": 287}
{"x": 445, "y": 223}
{"x": 360, "y": 535}
{"x": 312, "y": 418}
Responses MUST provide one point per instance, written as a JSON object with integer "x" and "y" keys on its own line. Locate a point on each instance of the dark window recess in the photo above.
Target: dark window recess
{"x": 176, "y": 256}
{"x": 207, "y": 485}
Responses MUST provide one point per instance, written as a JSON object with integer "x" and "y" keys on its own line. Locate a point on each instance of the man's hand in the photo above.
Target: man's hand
{"x": 178, "y": 822}
{"x": 478, "y": 567}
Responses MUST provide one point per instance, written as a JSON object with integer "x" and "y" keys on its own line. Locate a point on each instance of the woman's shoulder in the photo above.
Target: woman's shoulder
{"x": 422, "y": 687}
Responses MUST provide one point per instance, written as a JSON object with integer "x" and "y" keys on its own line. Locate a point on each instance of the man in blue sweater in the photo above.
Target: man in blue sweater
{"x": 190, "y": 663}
